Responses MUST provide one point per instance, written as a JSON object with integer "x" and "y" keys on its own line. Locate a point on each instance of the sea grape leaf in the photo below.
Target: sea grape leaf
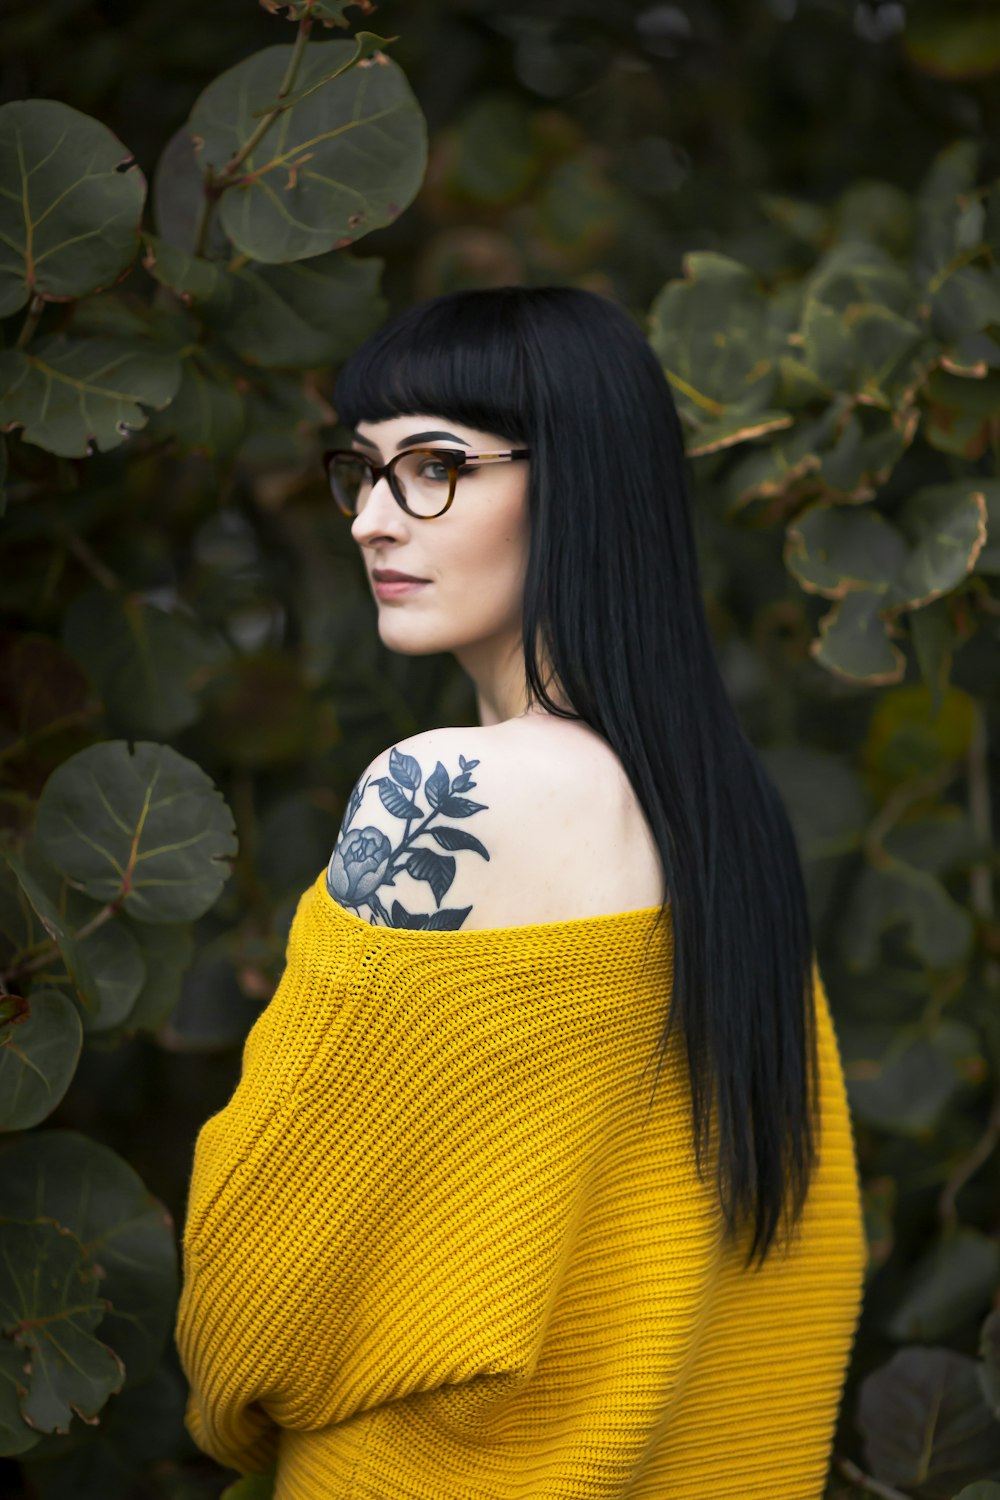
{"x": 142, "y": 825}
{"x": 71, "y": 201}
{"x": 49, "y": 1307}
{"x": 908, "y": 1088}
{"x": 954, "y": 1280}
{"x": 147, "y": 664}
{"x": 710, "y": 331}
{"x": 925, "y": 1424}
{"x": 97, "y": 1196}
{"x": 16, "y": 1437}
{"x": 140, "y": 1429}
{"x": 72, "y": 394}
{"x": 853, "y": 641}
{"x": 38, "y": 1057}
{"x": 104, "y": 967}
{"x": 304, "y": 315}
{"x": 937, "y": 928}
{"x": 344, "y": 160}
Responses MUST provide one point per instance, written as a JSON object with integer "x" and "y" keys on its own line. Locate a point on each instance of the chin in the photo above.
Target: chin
{"x": 406, "y": 638}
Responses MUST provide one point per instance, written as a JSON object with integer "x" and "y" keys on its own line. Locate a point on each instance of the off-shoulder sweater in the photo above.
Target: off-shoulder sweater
{"x": 445, "y": 1243}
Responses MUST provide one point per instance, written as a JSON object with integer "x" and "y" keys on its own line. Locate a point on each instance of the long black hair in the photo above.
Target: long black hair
{"x": 612, "y": 593}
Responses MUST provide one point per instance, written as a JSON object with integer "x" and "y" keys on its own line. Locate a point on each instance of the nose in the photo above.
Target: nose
{"x": 379, "y": 516}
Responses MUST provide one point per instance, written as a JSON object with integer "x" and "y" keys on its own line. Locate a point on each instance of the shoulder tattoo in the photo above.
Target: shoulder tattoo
{"x": 366, "y": 861}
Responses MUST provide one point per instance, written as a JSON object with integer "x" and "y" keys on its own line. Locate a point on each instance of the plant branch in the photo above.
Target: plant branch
{"x": 216, "y": 184}
{"x": 31, "y": 321}
{"x": 864, "y": 1481}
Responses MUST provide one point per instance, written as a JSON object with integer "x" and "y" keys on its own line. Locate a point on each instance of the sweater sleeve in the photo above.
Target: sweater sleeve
{"x": 388, "y": 1204}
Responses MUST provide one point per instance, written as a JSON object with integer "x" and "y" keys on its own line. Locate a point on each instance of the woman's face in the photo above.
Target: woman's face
{"x": 472, "y": 558}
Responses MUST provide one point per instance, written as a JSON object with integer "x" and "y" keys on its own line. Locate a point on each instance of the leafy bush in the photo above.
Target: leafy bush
{"x": 117, "y": 846}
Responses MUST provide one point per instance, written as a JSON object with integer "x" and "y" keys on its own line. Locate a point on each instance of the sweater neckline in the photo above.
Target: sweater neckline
{"x": 638, "y": 917}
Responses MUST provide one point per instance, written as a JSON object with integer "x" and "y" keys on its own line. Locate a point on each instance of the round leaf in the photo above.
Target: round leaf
{"x": 38, "y": 1057}
{"x": 347, "y": 158}
{"x": 71, "y": 198}
{"x": 49, "y": 1308}
{"x": 128, "y": 1233}
{"x": 69, "y": 394}
{"x": 144, "y": 826}
{"x": 144, "y": 662}
{"x": 925, "y": 1422}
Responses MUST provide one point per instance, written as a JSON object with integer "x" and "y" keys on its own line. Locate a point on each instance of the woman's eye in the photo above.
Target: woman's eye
{"x": 434, "y": 470}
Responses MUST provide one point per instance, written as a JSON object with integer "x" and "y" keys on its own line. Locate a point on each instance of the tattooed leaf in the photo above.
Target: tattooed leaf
{"x": 403, "y": 918}
{"x": 460, "y": 807}
{"x": 437, "y": 785}
{"x": 463, "y": 783}
{"x": 405, "y": 768}
{"x": 448, "y": 918}
{"x": 467, "y": 765}
{"x": 437, "y": 869}
{"x": 456, "y": 838}
{"x": 395, "y": 802}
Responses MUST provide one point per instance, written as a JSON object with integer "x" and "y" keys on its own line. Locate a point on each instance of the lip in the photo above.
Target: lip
{"x": 395, "y": 588}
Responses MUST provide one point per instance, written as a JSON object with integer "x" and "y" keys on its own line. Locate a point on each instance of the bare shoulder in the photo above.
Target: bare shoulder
{"x": 532, "y": 820}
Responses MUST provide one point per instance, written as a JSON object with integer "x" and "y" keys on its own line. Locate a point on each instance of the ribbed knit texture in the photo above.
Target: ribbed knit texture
{"x": 440, "y": 1246}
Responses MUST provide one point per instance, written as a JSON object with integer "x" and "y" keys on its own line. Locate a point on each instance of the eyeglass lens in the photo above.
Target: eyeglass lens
{"x": 422, "y": 480}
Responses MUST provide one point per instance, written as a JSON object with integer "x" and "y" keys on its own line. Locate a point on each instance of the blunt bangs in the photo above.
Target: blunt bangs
{"x": 459, "y": 356}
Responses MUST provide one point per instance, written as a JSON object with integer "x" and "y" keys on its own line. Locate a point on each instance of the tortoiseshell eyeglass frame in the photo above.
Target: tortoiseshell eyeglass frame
{"x": 454, "y": 462}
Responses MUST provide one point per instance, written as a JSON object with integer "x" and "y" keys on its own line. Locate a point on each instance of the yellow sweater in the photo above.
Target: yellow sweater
{"x": 438, "y": 1247}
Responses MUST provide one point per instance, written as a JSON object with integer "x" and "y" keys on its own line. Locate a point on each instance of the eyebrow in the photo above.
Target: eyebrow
{"x": 416, "y": 437}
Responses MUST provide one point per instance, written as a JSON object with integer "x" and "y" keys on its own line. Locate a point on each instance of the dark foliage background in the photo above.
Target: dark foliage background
{"x": 600, "y": 145}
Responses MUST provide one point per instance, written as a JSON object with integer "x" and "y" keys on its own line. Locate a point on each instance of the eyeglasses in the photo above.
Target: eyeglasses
{"x": 422, "y": 480}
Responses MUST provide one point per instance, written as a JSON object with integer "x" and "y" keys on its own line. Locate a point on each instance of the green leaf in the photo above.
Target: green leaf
{"x": 192, "y": 276}
{"x": 16, "y": 1437}
{"x": 104, "y": 967}
{"x": 49, "y": 1308}
{"x": 147, "y": 664}
{"x": 208, "y": 416}
{"x": 144, "y": 826}
{"x": 69, "y": 213}
{"x": 301, "y": 316}
{"x": 834, "y": 548}
{"x": 345, "y": 160}
{"x": 925, "y": 1424}
{"x": 70, "y": 394}
{"x": 945, "y": 526}
{"x": 953, "y": 1282}
{"x": 965, "y": 302}
{"x": 38, "y": 1057}
{"x": 907, "y": 1088}
{"x": 167, "y": 952}
{"x": 961, "y": 414}
{"x": 936, "y": 928}
{"x": 853, "y": 642}
{"x": 95, "y": 1194}
{"x": 710, "y": 332}
{"x": 984, "y": 1489}
{"x": 141, "y": 1432}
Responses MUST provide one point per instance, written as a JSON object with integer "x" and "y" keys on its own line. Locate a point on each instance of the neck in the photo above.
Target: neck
{"x": 498, "y": 676}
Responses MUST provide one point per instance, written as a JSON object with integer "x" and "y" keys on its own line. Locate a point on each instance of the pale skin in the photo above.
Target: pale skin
{"x": 544, "y": 826}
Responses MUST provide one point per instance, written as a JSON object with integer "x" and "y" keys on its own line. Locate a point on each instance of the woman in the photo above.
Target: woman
{"x": 449, "y": 1240}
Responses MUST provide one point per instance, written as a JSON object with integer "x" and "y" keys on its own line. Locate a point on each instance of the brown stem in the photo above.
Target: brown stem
{"x": 969, "y": 1165}
{"x": 864, "y": 1481}
{"x": 50, "y": 950}
{"x": 217, "y": 183}
{"x": 31, "y": 321}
